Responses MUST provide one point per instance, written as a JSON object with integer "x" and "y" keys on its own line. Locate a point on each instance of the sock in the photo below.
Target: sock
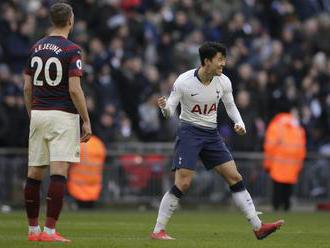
{"x": 49, "y": 231}
{"x": 32, "y": 200}
{"x": 55, "y": 199}
{"x": 34, "y": 229}
{"x": 244, "y": 202}
{"x": 167, "y": 207}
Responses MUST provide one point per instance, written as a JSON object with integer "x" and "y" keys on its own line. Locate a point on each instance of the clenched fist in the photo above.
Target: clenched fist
{"x": 239, "y": 129}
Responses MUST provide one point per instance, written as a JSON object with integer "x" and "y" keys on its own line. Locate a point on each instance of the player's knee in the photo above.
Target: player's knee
{"x": 59, "y": 168}
{"x": 183, "y": 185}
{"x": 234, "y": 178}
{"x": 35, "y": 173}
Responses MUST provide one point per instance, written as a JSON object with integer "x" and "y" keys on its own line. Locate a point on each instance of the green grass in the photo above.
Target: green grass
{"x": 121, "y": 229}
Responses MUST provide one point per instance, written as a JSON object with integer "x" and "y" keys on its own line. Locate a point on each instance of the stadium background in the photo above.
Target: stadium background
{"x": 278, "y": 57}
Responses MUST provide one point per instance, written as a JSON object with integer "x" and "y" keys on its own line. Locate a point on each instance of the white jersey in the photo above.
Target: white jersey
{"x": 199, "y": 102}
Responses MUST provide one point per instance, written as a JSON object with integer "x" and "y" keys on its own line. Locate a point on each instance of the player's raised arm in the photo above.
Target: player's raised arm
{"x": 232, "y": 111}
{"x": 78, "y": 99}
{"x": 168, "y": 106}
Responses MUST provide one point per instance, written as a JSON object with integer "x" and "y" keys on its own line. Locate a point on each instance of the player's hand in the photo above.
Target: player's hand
{"x": 162, "y": 102}
{"x": 239, "y": 129}
{"x": 86, "y": 132}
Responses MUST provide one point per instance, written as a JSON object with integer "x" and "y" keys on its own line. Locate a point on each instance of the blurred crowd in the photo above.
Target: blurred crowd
{"x": 278, "y": 58}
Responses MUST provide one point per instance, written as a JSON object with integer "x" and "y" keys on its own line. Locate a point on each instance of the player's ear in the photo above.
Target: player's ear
{"x": 206, "y": 61}
{"x": 71, "y": 20}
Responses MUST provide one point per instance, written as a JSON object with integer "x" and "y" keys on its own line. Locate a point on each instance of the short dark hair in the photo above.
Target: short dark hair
{"x": 60, "y": 13}
{"x": 209, "y": 49}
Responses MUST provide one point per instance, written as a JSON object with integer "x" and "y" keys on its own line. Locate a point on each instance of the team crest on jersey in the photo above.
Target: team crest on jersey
{"x": 204, "y": 110}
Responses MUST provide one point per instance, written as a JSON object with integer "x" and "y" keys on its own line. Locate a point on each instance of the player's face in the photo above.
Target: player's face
{"x": 217, "y": 64}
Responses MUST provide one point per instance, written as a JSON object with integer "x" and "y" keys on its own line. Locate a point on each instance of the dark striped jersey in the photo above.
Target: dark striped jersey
{"x": 53, "y": 59}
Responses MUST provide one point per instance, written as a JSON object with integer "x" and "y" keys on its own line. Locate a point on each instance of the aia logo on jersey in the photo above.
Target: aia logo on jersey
{"x": 204, "y": 110}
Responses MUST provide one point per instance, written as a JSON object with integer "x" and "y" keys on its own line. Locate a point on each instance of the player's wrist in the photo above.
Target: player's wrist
{"x": 165, "y": 112}
{"x": 241, "y": 124}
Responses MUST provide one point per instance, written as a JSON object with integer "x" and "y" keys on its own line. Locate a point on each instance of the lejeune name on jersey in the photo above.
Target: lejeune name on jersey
{"x": 48, "y": 46}
{"x": 198, "y": 101}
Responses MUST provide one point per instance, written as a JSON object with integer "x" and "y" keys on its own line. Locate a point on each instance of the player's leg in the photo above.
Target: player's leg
{"x": 56, "y": 189}
{"x": 37, "y": 161}
{"x": 32, "y": 200}
{"x": 241, "y": 196}
{"x": 215, "y": 155}
{"x": 243, "y": 200}
{"x": 170, "y": 200}
{"x": 64, "y": 148}
{"x": 55, "y": 195}
{"x": 187, "y": 147}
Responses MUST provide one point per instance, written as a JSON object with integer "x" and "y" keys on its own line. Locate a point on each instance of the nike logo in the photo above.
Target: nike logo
{"x": 194, "y": 94}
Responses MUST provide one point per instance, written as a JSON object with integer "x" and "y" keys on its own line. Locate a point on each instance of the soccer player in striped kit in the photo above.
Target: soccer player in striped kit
{"x": 199, "y": 92}
{"x": 54, "y": 100}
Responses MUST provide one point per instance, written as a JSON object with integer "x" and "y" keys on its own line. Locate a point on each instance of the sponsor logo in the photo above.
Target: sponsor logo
{"x": 204, "y": 110}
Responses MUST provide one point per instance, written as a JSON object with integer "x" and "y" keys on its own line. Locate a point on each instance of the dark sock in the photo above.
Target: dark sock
{"x": 55, "y": 199}
{"x": 32, "y": 200}
{"x": 176, "y": 191}
{"x": 237, "y": 187}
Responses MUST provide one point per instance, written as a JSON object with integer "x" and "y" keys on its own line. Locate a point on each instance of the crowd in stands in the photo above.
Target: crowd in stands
{"x": 278, "y": 58}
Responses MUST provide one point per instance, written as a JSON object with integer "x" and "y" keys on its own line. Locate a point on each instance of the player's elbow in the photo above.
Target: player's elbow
{"x": 74, "y": 91}
{"x": 74, "y": 86}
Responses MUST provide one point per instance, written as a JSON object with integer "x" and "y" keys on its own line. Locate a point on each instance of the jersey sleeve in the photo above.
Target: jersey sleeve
{"x": 75, "y": 65}
{"x": 228, "y": 101}
{"x": 174, "y": 98}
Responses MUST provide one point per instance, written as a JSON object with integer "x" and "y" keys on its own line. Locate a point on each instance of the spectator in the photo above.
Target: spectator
{"x": 277, "y": 51}
{"x": 85, "y": 178}
{"x": 149, "y": 119}
{"x": 285, "y": 150}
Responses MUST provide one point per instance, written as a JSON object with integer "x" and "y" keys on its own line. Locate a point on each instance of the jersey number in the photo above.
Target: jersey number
{"x": 40, "y": 65}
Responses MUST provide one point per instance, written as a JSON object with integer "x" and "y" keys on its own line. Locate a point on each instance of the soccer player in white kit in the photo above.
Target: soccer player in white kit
{"x": 199, "y": 92}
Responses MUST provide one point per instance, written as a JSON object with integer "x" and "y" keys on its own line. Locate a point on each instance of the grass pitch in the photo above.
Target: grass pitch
{"x": 120, "y": 229}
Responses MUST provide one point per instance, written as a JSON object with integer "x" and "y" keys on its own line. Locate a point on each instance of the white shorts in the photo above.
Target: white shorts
{"x": 54, "y": 136}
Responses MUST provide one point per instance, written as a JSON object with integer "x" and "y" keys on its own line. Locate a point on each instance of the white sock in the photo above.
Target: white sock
{"x": 34, "y": 229}
{"x": 49, "y": 230}
{"x": 244, "y": 202}
{"x": 167, "y": 206}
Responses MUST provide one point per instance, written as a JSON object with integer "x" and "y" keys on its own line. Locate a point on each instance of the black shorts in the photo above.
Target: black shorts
{"x": 193, "y": 142}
